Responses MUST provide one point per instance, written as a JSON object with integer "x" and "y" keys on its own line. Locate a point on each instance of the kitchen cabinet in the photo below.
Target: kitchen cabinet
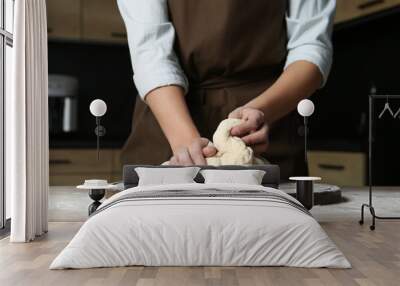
{"x": 339, "y": 168}
{"x": 86, "y": 20}
{"x": 352, "y": 9}
{"x": 70, "y": 167}
{"x": 102, "y": 21}
{"x": 64, "y": 19}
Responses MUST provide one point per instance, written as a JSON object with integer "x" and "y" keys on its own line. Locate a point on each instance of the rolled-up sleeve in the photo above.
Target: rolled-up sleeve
{"x": 309, "y": 27}
{"x": 151, "y": 42}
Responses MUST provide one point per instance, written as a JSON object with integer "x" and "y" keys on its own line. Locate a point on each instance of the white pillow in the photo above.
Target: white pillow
{"x": 246, "y": 177}
{"x": 164, "y": 176}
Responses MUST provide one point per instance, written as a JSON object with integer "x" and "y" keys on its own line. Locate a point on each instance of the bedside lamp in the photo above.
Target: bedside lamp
{"x": 98, "y": 108}
{"x": 305, "y": 185}
{"x": 97, "y": 188}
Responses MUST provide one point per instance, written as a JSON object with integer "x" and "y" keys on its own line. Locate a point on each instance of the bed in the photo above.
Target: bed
{"x": 198, "y": 224}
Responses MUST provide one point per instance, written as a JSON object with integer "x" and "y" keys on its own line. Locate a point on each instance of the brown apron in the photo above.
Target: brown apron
{"x": 231, "y": 51}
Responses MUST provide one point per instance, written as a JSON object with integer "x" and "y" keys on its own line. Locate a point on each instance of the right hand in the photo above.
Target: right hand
{"x": 253, "y": 131}
{"x": 193, "y": 153}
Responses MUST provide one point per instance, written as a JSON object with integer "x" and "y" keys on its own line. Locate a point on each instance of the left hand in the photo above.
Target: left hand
{"x": 253, "y": 131}
{"x": 194, "y": 153}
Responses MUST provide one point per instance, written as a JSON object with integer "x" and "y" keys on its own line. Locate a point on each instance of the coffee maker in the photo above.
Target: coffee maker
{"x": 63, "y": 104}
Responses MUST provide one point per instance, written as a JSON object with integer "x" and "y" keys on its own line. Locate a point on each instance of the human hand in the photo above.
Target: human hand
{"x": 193, "y": 153}
{"x": 253, "y": 131}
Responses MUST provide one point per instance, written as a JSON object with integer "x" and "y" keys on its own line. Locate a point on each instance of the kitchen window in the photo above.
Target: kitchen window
{"x": 6, "y": 62}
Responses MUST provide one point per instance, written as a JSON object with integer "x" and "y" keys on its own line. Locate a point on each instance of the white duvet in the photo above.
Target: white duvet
{"x": 200, "y": 231}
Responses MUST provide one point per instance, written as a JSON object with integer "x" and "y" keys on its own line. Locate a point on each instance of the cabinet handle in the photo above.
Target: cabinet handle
{"x": 331, "y": 167}
{"x": 118, "y": 35}
{"x": 60, "y": 162}
{"x": 370, "y": 3}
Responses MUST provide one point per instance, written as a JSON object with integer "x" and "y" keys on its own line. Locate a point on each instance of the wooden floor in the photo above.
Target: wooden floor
{"x": 375, "y": 257}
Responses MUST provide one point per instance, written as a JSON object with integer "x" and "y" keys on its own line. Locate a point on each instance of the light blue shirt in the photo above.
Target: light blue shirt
{"x": 151, "y": 40}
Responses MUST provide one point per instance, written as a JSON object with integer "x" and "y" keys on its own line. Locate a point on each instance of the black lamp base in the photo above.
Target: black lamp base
{"x": 305, "y": 193}
{"x": 96, "y": 195}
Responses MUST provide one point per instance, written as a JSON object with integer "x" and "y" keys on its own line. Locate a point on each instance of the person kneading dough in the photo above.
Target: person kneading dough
{"x": 197, "y": 63}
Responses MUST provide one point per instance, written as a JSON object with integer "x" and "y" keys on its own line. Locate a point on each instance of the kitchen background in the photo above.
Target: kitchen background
{"x": 89, "y": 59}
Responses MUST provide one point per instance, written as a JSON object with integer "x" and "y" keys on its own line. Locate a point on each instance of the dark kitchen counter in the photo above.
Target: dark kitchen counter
{"x": 78, "y": 144}
{"x": 84, "y": 142}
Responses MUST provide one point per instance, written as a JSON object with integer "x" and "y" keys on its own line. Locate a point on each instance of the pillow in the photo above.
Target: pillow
{"x": 163, "y": 176}
{"x": 245, "y": 177}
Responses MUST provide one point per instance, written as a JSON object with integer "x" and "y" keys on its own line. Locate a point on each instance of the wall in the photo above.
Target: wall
{"x": 364, "y": 53}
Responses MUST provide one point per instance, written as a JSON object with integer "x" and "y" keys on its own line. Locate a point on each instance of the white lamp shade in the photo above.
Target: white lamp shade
{"x": 98, "y": 107}
{"x": 305, "y": 107}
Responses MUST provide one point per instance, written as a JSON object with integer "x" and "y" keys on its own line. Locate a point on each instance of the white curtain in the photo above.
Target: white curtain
{"x": 27, "y": 124}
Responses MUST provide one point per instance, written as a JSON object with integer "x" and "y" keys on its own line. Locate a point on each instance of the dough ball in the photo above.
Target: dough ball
{"x": 231, "y": 149}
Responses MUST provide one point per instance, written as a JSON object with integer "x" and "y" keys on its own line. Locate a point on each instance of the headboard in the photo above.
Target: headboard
{"x": 271, "y": 177}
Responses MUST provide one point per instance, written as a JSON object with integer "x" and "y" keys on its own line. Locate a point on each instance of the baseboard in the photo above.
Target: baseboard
{"x": 5, "y": 231}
